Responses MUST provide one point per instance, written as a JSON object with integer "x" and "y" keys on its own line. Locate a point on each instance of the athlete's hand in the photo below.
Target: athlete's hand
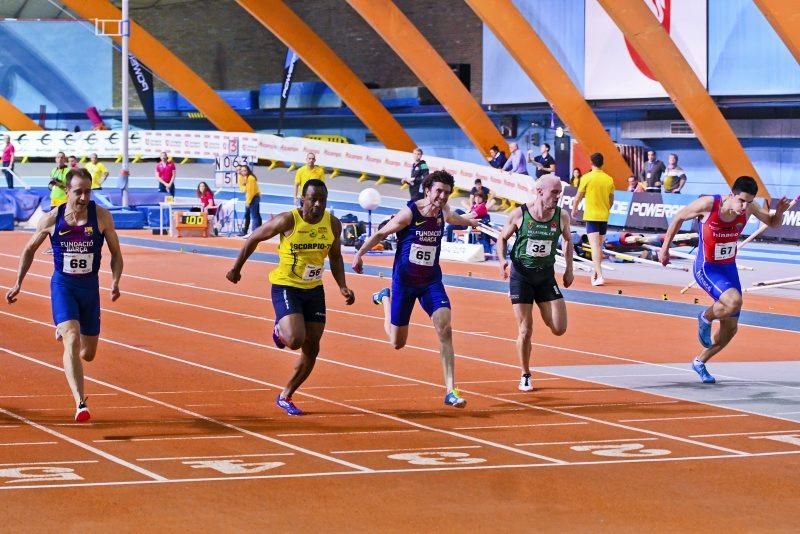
{"x": 358, "y": 264}
{"x": 349, "y": 296}
{"x": 663, "y": 255}
{"x": 783, "y": 205}
{"x": 504, "y": 268}
{"x": 234, "y": 276}
{"x": 11, "y": 296}
{"x": 568, "y": 278}
{"x": 114, "y": 292}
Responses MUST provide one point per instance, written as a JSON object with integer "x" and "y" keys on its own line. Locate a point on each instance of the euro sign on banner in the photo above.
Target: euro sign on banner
{"x": 143, "y": 81}
{"x": 288, "y": 71}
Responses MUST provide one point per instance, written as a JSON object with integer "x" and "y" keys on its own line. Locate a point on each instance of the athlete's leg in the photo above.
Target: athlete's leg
{"x": 441, "y": 321}
{"x": 398, "y": 335}
{"x": 729, "y": 304}
{"x": 524, "y": 316}
{"x": 73, "y": 367}
{"x": 308, "y": 357}
{"x": 728, "y": 326}
{"x": 88, "y": 347}
{"x": 554, "y": 315}
{"x": 596, "y": 244}
{"x": 293, "y": 330}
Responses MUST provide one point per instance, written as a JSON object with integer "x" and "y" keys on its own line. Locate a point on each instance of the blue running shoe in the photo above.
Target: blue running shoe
{"x": 378, "y": 297}
{"x": 288, "y": 406}
{"x": 704, "y": 332}
{"x": 700, "y": 368}
{"x": 276, "y": 337}
{"x": 455, "y": 399}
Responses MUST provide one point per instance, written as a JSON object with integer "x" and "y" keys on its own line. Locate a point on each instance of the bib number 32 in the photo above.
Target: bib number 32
{"x": 539, "y": 248}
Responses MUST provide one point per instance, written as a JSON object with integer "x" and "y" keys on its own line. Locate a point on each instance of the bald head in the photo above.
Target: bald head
{"x": 513, "y": 146}
{"x": 548, "y": 190}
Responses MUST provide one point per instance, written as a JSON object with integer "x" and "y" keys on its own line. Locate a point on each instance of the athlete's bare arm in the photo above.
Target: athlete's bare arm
{"x": 693, "y": 210}
{"x": 773, "y": 220}
{"x": 337, "y": 263}
{"x": 451, "y": 217}
{"x": 106, "y": 224}
{"x": 566, "y": 248}
{"x": 280, "y": 224}
{"x": 397, "y": 223}
{"x": 510, "y": 228}
{"x": 43, "y": 230}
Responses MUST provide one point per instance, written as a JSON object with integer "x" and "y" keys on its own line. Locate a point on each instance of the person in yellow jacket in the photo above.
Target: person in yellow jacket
{"x": 252, "y": 198}
{"x": 58, "y": 181}
{"x": 307, "y": 236}
{"x": 309, "y": 171}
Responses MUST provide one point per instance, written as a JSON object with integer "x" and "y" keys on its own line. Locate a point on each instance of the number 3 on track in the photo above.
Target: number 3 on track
{"x": 621, "y": 450}
{"x": 437, "y": 458}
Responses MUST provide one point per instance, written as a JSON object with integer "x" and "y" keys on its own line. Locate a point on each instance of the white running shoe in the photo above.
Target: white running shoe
{"x": 598, "y": 280}
{"x": 526, "y": 383}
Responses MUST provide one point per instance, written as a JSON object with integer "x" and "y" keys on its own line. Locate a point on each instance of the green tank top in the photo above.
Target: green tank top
{"x": 535, "y": 247}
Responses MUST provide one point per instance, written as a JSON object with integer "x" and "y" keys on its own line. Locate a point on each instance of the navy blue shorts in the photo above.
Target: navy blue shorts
{"x": 716, "y": 278}
{"x": 309, "y": 302}
{"x": 431, "y": 297}
{"x": 76, "y": 301}
{"x": 596, "y": 226}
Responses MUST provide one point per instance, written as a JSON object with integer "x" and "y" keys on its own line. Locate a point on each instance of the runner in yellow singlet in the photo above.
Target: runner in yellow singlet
{"x": 308, "y": 235}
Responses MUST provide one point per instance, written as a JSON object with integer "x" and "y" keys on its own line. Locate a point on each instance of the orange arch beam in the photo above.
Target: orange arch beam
{"x": 279, "y": 19}
{"x": 784, "y": 17}
{"x": 406, "y": 40}
{"x": 665, "y": 60}
{"x": 167, "y": 66}
{"x": 530, "y": 52}
{"x": 12, "y": 118}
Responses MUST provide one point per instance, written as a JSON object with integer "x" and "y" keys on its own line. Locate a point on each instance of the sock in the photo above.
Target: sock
{"x": 703, "y": 318}
{"x": 697, "y": 360}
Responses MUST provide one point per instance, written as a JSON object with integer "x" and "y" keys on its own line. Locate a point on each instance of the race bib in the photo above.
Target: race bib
{"x": 313, "y": 272}
{"x": 724, "y": 251}
{"x": 422, "y": 255}
{"x": 75, "y": 263}
{"x": 538, "y": 248}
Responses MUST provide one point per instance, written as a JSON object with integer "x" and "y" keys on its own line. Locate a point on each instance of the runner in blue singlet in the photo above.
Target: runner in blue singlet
{"x": 416, "y": 274}
{"x": 77, "y": 231}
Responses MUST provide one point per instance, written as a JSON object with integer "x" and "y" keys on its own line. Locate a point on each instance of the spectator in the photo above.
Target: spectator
{"x": 651, "y": 174}
{"x": 674, "y": 173}
{"x": 480, "y": 211}
{"x": 58, "y": 181}
{"x": 8, "y": 161}
{"x": 419, "y": 170}
{"x": 206, "y": 197}
{"x": 165, "y": 174}
{"x": 252, "y": 200}
{"x": 478, "y": 186}
{"x": 634, "y": 185}
{"x": 97, "y": 170}
{"x": 516, "y": 162}
{"x": 72, "y": 162}
{"x": 305, "y": 173}
{"x": 545, "y": 164}
{"x": 575, "y": 178}
{"x": 598, "y": 188}
{"x": 497, "y": 158}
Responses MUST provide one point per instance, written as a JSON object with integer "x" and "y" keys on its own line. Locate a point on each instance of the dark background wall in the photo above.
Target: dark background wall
{"x": 229, "y": 49}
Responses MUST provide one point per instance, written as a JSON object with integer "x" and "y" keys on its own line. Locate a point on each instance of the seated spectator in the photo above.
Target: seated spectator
{"x": 478, "y": 210}
{"x": 478, "y": 186}
{"x": 675, "y": 178}
{"x": 206, "y": 197}
{"x": 497, "y": 158}
{"x": 575, "y": 177}
{"x": 635, "y": 185}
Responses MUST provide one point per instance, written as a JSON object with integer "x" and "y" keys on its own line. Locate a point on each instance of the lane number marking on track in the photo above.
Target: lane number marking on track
{"x": 437, "y": 458}
{"x": 621, "y": 450}
{"x": 39, "y": 474}
{"x": 233, "y": 466}
{"x": 791, "y": 439}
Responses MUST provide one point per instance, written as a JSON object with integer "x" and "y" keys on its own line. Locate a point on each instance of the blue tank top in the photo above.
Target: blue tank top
{"x": 416, "y": 262}
{"x": 76, "y": 249}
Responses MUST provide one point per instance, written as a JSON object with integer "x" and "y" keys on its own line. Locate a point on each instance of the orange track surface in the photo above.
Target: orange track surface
{"x": 185, "y": 434}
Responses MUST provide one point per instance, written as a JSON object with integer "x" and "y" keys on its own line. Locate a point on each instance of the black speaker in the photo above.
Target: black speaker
{"x": 463, "y": 72}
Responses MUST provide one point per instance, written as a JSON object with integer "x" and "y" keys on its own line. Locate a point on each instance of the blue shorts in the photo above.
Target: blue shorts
{"x": 78, "y": 301}
{"x": 309, "y": 302}
{"x": 596, "y": 226}
{"x": 717, "y": 278}
{"x": 431, "y": 297}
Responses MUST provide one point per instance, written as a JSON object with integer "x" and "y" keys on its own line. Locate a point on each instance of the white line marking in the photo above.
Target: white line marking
{"x": 787, "y": 413}
{"x": 29, "y": 443}
{"x": 355, "y": 386}
{"x": 684, "y": 418}
{"x": 519, "y": 426}
{"x": 234, "y": 455}
{"x": 22, "y": 464}
{"x": 60, "y": 395}
{"x": 636, "y": 376}
{"x": 205, "y": 391}
{"x": 172, "y": 438}
{"x": 355, "y": 433}
{"x": 512, "y": 381}
{"x": 10, "y": 426}
{"x": 745, "y": 433}
{"x": 389, "y": 399}
{"x": 585, "y": 441}
{"x": 364, "y": 451}
{"x": 63, "y": 409}
{"x": 189, "y": 412}
{"x": 84, "y": 446}
{"x": 207, "y": 404}
{"x": 614, "y": 404}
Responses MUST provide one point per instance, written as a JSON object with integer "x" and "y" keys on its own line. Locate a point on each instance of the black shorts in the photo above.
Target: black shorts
{"x": 600, "y": 227}
{"x": 527, "y": 286}
{"x": 309, "y": 302}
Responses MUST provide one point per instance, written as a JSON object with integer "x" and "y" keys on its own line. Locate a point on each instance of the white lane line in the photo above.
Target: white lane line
{"x": 614, "y": 404}
{"x": 14, "y": 444}
{"x": 356, "y": 386}
{"x": 686, "y": 418}
{"x": 554, "y": 391}
{"x": 354, "y": 433}
{"x": 365, "y": 451}
{"x": 84, "y": 446}
{"x": 204, "y": 391}
{"x": 787, "y": 413}
{"x": 171, "y": 438}
{"x": 189, "y": 412}
{"x": 400, "y": 399}
{"x": 306, "y": 395}
{"x": 396, "y": 377}
{"x": 232, "y": 456}
{"x": 60, "y": 395}
{"x": 208, "y": 404}
{"x": 636, "y": 376}
{"x": 24, "y": 464}
{"x": 585, "y": 442}
{"x": 506, "y": 381}
{"x": 745, "y": 433}
{"x": 63, "y": 409}
{"x": 519, "y": 426}
{"x": 10, "y": 426}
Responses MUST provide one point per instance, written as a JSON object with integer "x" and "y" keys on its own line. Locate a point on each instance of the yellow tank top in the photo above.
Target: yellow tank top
{"x": 301, "y": 254}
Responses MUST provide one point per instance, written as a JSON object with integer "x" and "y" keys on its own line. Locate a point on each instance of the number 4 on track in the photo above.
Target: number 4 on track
{"x": 234, "y": 467}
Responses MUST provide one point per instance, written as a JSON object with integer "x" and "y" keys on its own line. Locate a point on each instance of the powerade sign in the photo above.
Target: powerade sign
{"x": 790, "y": 226}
